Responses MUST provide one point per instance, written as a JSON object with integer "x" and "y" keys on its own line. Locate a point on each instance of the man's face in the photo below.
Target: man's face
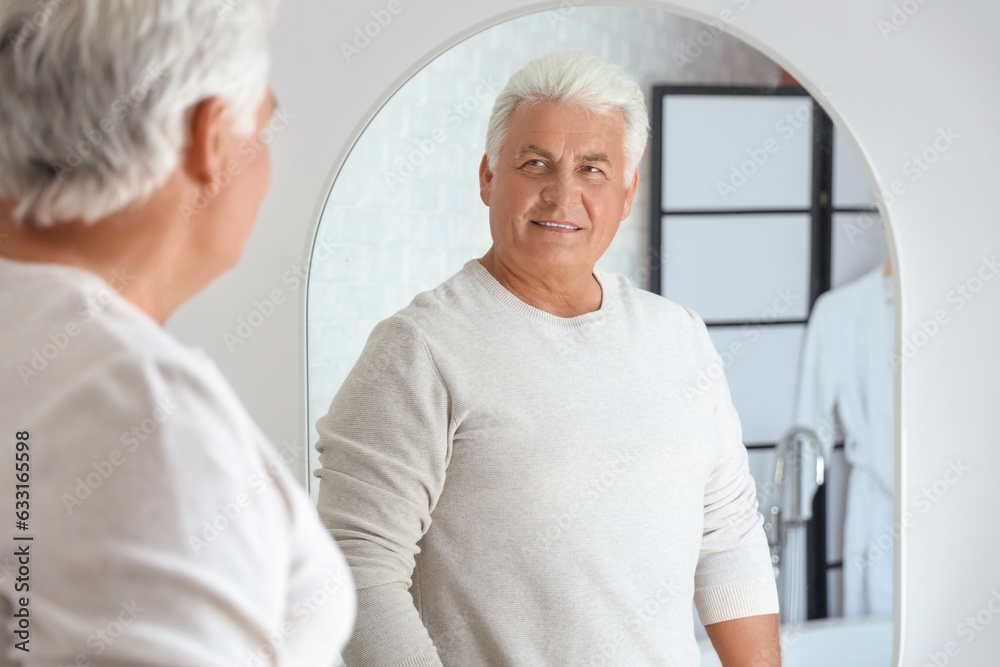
{"x": 559, "y": 190}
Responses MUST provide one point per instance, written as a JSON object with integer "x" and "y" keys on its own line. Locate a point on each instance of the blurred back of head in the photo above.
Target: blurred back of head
{"x": 95, "y": 94}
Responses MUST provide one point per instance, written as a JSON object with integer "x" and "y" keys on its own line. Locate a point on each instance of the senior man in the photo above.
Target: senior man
{"x": 512, "y": 468}
{"x": 156, "y": 525}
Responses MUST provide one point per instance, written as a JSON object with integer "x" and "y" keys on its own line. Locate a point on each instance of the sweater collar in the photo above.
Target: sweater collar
{"x": 577, "y": 323}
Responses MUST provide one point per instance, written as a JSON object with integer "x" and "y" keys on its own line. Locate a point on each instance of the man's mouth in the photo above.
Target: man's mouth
{"x": 556, "y": 225}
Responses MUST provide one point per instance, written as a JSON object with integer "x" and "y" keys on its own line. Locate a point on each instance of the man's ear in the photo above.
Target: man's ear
{"x": 485, "y": 180}
{"x": 630, "y": 195}
{"x": 207, "y": 149}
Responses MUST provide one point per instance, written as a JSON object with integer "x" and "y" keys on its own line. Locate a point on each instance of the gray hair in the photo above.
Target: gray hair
{"x": 577, "y": 78}
{"x": 95, "y": 95}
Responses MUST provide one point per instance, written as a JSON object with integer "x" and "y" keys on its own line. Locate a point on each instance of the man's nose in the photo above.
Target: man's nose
{"x": 561, "y": 190}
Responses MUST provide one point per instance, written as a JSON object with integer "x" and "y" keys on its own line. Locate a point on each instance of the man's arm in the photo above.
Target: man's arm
{"x": 751, "y": 641}
{"x": 384, "y": 449}
{"x": 735, "y": 591}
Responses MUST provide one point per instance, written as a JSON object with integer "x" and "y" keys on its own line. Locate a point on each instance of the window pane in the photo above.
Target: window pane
{"x": 761, "y": 365}
{"x": 736, "y": 152}
{"x": 738, "y": 267}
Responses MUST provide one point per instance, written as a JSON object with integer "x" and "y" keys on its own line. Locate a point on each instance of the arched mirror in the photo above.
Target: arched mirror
{"x": 752, "y": 209}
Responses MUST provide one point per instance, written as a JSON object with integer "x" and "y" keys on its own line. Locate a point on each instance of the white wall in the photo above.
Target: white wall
{"x": 891, "y": 90}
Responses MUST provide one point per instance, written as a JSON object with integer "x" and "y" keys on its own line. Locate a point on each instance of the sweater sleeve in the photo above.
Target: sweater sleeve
{"x": 384, "y": 446}
{"x": 734, "y": 577}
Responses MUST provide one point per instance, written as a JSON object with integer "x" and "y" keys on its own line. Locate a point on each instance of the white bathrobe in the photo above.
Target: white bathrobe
{"x": 846, "y": 388}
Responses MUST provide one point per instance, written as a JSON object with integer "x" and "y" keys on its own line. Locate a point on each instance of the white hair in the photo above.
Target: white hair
{"x": 95, "y": 94}
{"x": 579, "y": 79}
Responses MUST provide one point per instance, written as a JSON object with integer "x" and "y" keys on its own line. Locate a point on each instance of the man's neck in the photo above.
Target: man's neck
{"x": 135, "y": 262}
{"x": 563, "y": 294}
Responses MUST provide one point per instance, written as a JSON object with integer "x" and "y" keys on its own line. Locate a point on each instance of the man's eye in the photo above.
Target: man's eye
{"x": 535, "y": 163}
{"x": 592, "y": 169}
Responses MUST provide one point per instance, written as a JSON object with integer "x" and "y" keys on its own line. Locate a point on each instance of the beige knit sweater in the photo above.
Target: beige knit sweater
{"x": 512, "y": 488}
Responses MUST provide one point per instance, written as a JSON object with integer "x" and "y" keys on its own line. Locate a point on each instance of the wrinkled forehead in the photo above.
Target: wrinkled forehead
{"x": 544, "y": 126}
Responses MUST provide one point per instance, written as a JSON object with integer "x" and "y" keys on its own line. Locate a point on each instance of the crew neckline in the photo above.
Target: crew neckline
{"x": 576, "y": 323}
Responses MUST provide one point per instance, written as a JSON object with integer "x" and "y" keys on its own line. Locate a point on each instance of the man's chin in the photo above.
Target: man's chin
{"x": 546, "y": 260}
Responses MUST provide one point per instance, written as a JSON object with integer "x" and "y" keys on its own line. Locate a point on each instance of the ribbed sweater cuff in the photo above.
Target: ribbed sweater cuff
{"x": 426, "y": 658}
{"x": 737, "y": 599}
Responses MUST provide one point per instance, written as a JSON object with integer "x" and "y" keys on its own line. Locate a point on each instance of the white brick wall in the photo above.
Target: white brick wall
{"x": 401, "y": 220}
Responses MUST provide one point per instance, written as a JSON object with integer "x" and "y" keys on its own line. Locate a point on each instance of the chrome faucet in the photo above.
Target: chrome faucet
{"x": 785, "y": 521}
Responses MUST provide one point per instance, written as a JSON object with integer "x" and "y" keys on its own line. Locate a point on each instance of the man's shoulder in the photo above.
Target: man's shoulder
{"x": 98, "y": 375}
{"x": 71, "y": 323}
{"x": 455, "y": 302}
{"x": 646, "y": 303}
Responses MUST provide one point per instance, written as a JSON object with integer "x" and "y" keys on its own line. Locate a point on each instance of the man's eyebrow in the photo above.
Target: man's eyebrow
{"x": 537, "y": 150}
{"x": 587, "y": 157}
{"x": 595, "y": 157}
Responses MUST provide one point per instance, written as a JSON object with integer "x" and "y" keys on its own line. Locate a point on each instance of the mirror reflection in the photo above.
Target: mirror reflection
{"x": 749, "y": 207}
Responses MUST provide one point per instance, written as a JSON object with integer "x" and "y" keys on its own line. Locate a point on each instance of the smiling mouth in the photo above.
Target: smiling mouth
{"x": 557, "y": 225}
